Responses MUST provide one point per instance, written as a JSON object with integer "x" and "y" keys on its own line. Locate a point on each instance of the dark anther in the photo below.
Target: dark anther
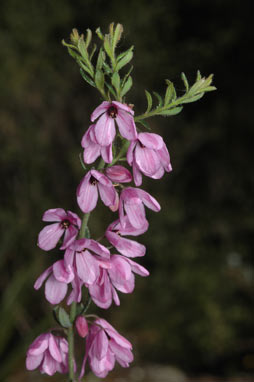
{"x": 65, "y": 223}
{"x": 112, "y": 111}
{"x": 93, "y": 181}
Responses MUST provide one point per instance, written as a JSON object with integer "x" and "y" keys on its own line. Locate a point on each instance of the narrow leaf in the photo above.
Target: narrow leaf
{"x": 100, "y": 59}
{"x": 99, "y": 79}
{"x": 170, "y": 94}
{"x": 86, "y": 78}
{"x": 185, "y": 81}
{"x": 82, "y": 48}
{"x": 93, "y": 51}
{"x": 145, "y": 124}
{"x": 112, "y": 91}
{"x": 124, "y": 61}
{"x": 149, "y": 101}
{"x": 88, "y": 37}
{"x": 173, "y": 111}
{"x": 193, "y": 99}
{"x": 159, "y": 99}
{"x": 126, "y": 87}
{"x": 116, "y": 81}
{"x": 107, "y": 46}
{"x": 198, "y": 78}
{"x": 117, "y": 35}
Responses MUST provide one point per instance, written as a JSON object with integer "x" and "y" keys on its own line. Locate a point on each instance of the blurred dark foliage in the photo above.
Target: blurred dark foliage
{"x": 194, "y": 311}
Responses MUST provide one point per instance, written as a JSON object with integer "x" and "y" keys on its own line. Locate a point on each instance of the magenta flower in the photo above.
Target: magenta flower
{"x": 148, "y": 155}
{"x": 109, "y": 113}
{"x": 67, "y": 223}
{"x": 92, "y": 148}
{"x": 58, "y": 277}
{"x": 95, "y": 182}
{"x": 119, "y": 276}
{"x": 126, "y": 247}
{"x": 49, "y": 354}
{"x": 86, "y": 256}
{"x": 105, "y": 346}
{"x": 132, "y": 201}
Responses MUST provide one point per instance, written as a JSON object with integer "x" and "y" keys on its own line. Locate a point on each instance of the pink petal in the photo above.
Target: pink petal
{"x": 106, "y": 153}
{"x": 138, "y": 268}
{"x": 123, "y": 106}
{"x": 32, "y": 362}
{"x": 54, "y": 349}
{"x": 165, "y": 158}
{"x": 49, "y": 365}
{"x": 121, "y": 353}
{"x": 75, "y": 294}
{"x": 69, "y": 257}
{"x": 74, "y": 218}
{"x": 99, "y": 110}
{"x": 55, "y": 291}
{"x": 39, "y": 345}
{"x": 49, "y": 236}
{"x": 101, "y": 178}
{"x": 151, "y": 140}
{"x": 87, "y": 194}
{"x": 100, "y": 292}
{"x": 136, "y": 212}
{"x": 70, "y": 235}
{"x": 148, "y": 200}
{"x": 54, "y": 215}
{"x": 91, "y": 153}
{"x": 108, "y": 194}
{"x": 120, "y": 340}
{"x": 81, "y": 326}
{"x": 136, "y": 174}
{"x": 159, "y": 174}
{"x": 61, "y": 273}
{"x": 99, "y": 346}
{"x": 87, "y": 267}
{"x": 130, "y": 152}
{"x": 98, "y": 248}
{"x": 126, "y": 125}
{"x": 105, "y": 130}
{"x": 38, "y": 283}
{"x": 119, "y": 174}
{"x": 115, "y": 296}
{"x": 147, "y": 160}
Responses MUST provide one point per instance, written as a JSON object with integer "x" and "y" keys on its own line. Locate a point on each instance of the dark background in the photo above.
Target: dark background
{"x": 194, "y": 311}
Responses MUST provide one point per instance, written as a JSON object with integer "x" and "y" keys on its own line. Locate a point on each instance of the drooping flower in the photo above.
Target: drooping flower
{"x": 148, "y": 155}
{"x": 108, "y": 113}
{"x": 119, "y": 276}
{"x": 132, "y": 201}
{"x": 94, "y": 183}
{"x": 92, "y": 149}
{"x": 58, "y": 277}
{"x": 105, "y": 346}
{"x": 86, "y": 256}
{"x": 118, "y": 174}
{"x": 67, "y": 223}
{"x": 49, "y": 354}
{"x": 126, "y": 247}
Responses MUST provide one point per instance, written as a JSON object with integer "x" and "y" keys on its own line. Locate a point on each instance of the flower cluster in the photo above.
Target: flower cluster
{"x": 85, "y": 262}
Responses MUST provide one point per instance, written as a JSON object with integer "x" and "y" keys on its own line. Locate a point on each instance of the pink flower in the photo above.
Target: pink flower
{"x": 95, "y": 182}
{"x": 67, "y": 223}
{"x": 92, "y": 148}
{"x": 81, "y": 326}
{"x": 132, "y": 201}
{"x": 118, "y": 174}
{"x": 109, "y": 113}
{"x": 148, "y": 155}
{"x": 126, "y": 247}
{"x": 105, "y": 346}
{"x": 49, "y": 353}
{"x": 118, "y": 276}
{"x": 58, "y": 277}
{"x": 86, "y": 264}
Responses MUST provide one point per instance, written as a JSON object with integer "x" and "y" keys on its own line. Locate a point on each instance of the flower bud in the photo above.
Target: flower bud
{"x": 81, "y": 326}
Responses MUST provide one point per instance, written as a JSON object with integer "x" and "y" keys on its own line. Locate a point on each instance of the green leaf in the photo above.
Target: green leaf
{"x": 92, "y": 52}
{"x": 117, "y": 35}
{"x": 73, "y": 54}
{"x": 112, "y": 91}
{"x": 124, "y": 61}
{"x": 107, "y": 68}
{"x": 82, "y": 48}
{"x": 88, "y": 37}
{"x": 100, "y": 59}
{"x": 85, "y": 68}
{"x": 126, "y": 87}
{"x": 193, "y": 99}
{"x": 145, "y": 124}
{"x": 159, "y": 99}
{"x": 170, "y": 94}
{"x": 107, "y": 46}
{"x": 149, "y": 101}
{"x": 185, "y": 81}
{"x": 99, "y": 34}
{"x": 64, "y": 318}
{"x": 86, "y": 78}
{"x": 173, "y": 111}
{"x": 198, "y": 78}
{"x": 116, "y": 81}
{"x": 99, "y": 79}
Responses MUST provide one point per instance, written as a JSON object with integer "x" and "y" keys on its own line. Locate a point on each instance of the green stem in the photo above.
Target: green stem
{"x": 82, "y": 232}
{"x": 121, "y": 153}
{"x": 71, "y": 343}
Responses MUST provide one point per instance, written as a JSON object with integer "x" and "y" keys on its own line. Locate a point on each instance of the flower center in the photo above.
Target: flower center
{"x": 112, "y": 111}
{"x": 65, "y": 223}
{"x": 93, "y": 181}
